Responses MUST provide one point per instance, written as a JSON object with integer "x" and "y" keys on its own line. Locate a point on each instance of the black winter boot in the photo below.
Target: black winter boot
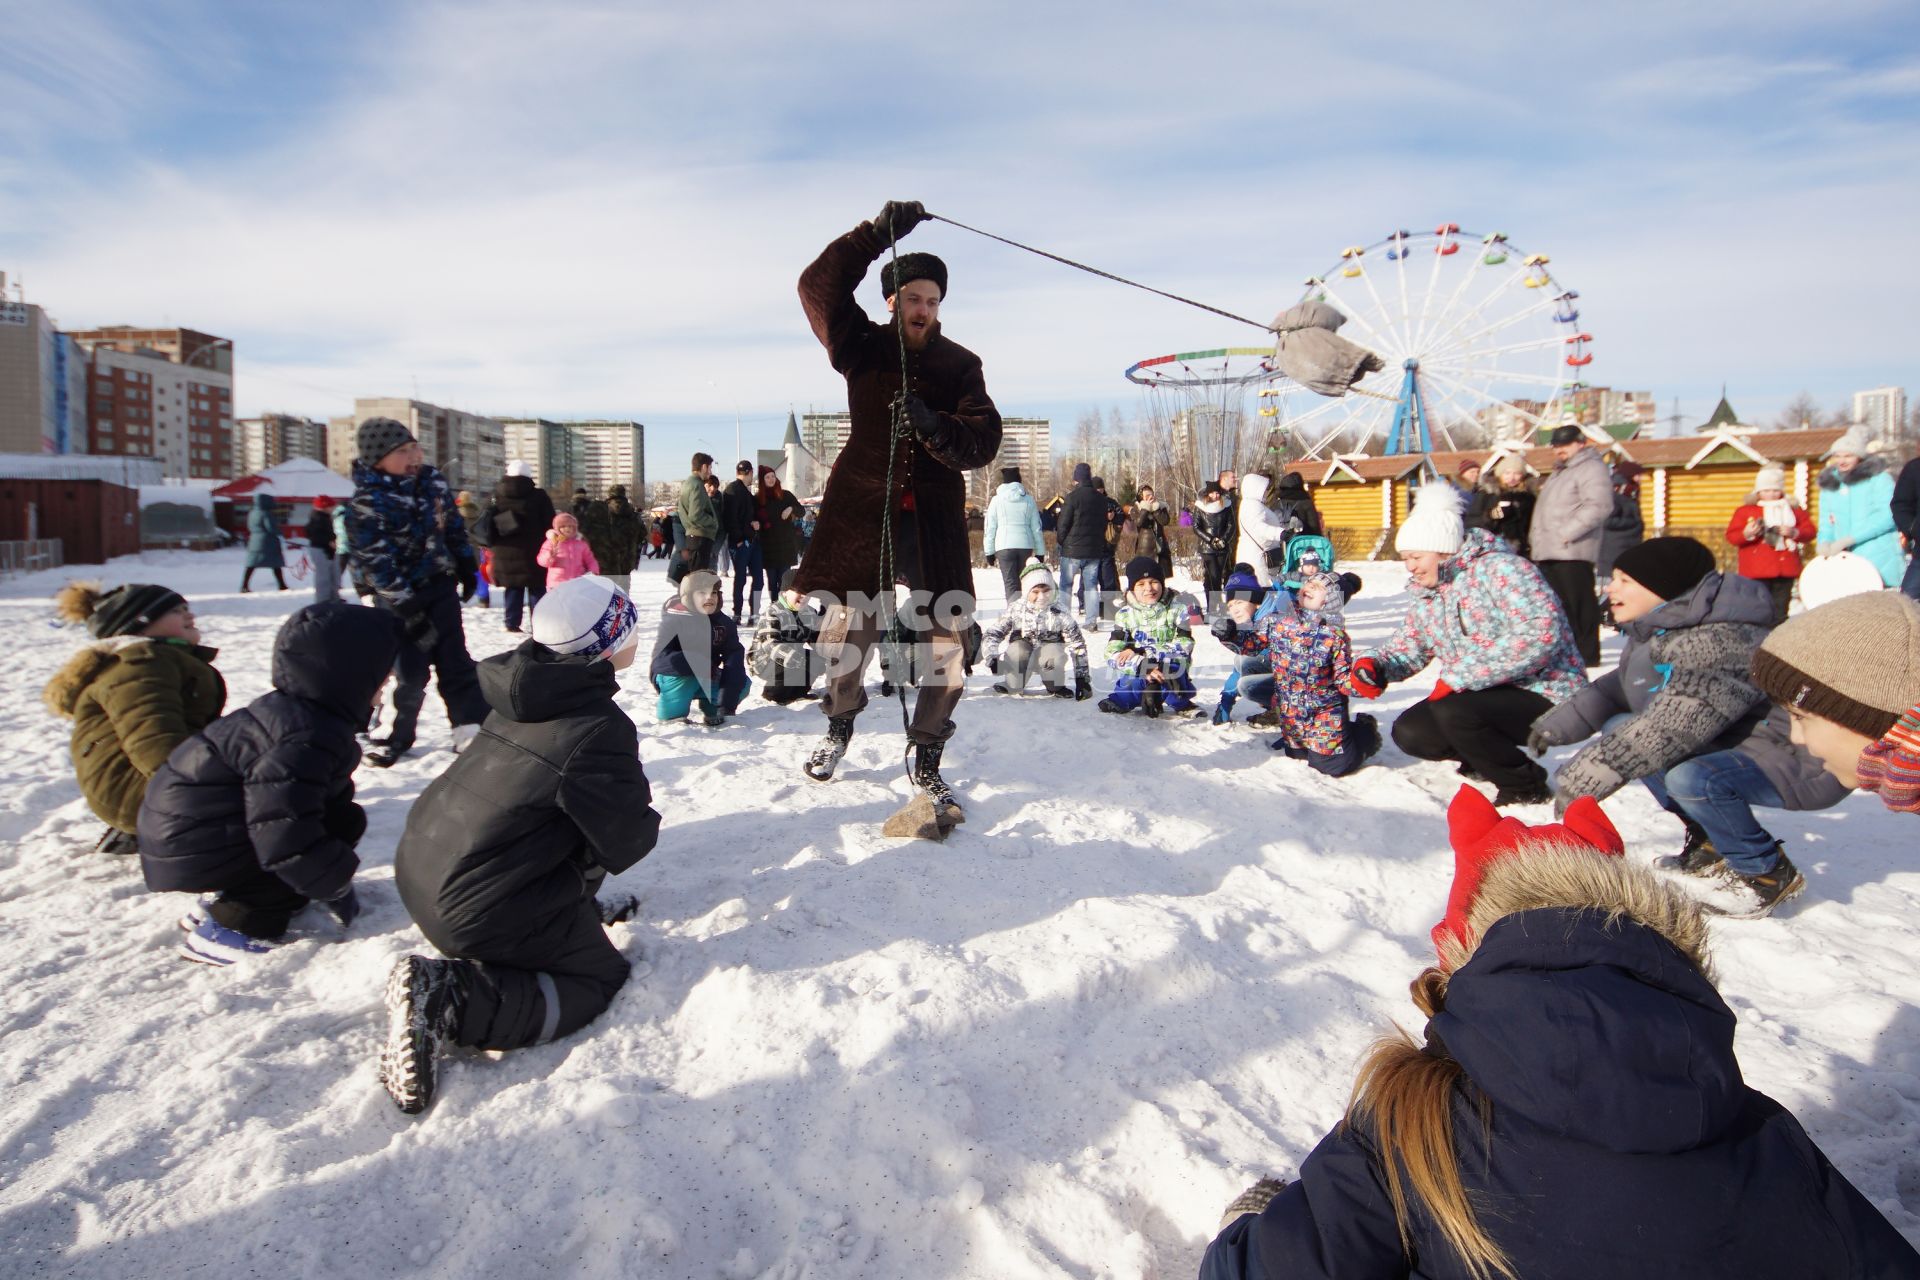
{"x": 1767, "y": 890}
{"x": 424, "y": 1000}
{"x": 1697, "y": 857}
{"x": 826, "y": 757}
{"x": 926, "y": 773}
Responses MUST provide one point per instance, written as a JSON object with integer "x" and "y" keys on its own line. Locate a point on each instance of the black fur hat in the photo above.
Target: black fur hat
{"x": 913, "y": 266}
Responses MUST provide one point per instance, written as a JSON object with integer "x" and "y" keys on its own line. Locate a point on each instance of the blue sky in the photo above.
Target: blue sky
{"x": 595, "y": 208}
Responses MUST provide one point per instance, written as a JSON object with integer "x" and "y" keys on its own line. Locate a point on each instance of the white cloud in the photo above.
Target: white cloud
{"x": 592, "y": 208}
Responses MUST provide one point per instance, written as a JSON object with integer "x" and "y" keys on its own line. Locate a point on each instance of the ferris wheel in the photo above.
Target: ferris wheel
{"x": 1472, "y": 330}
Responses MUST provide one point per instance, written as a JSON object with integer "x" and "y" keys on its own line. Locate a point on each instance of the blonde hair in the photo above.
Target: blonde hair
{"x": 1404, "y": 1096}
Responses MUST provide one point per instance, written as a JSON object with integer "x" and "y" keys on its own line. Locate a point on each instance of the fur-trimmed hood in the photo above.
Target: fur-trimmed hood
{"x": 1584, "y": 1001}
{"x": 63, "y": 692}
{"x": 1866, "y": 469}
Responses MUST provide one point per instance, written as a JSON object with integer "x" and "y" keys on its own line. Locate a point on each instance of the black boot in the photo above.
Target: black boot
{"x": 1768, "y": 889}
{"x": 826, "y": 757}
{"x": 926, "y": 773}
{"x": 424, "y": 998}
{"x": 1697, "y": 857}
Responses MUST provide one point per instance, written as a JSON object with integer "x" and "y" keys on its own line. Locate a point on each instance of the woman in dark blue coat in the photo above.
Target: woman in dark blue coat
{"x": 263, "y": 542}
{"x": 1576, "y": 1110}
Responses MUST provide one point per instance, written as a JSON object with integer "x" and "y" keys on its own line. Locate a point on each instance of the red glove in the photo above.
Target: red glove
{"x": 1364, "y": 679}
{"x": 1440, "y": 690}
{"x": 1480, "y": 834}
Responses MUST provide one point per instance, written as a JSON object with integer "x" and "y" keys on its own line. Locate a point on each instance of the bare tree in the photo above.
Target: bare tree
{"x": 1801, "y": 411}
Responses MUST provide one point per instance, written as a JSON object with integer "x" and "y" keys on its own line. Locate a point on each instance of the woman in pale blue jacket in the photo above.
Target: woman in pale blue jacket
{"x": 1856, "y": 507}
{"x": 1012, "y": 532}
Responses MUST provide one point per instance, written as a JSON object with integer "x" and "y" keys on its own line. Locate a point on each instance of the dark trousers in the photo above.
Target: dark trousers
{"x": 551, "y": 984}
{"x": 1484, "y": 729}
{"x": 246, "y": 579}
{"x": 1213, "y": 568}
{"x": 521, "y": 600}
{"x": 697, "y": 553}
{"x": 747, "y": 565}
{"x": 441, "y": 649}
{"x": 259, "y": 905}
{"x": 1011, "y": 561}
{"x": 1782, "y": 591}
{"x": 1572, "y": 581}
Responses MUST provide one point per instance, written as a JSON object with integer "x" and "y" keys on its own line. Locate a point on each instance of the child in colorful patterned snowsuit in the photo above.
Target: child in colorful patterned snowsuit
{"x": 1036, "y": 636}
{"x": 1310, "y": 655}
{"x": 1151, "y": 645}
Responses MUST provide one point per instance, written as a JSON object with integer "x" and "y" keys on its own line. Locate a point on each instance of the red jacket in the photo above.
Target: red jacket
{"x": 1758, "y": 559}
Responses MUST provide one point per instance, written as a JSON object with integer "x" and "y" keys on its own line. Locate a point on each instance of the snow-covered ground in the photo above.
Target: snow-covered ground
{"x": 1055, "y": 1046}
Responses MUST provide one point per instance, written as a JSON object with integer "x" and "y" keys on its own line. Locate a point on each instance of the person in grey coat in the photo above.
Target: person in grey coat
{"x": 263, "y": 542}
{"x": 1681, "y": 713}
{"x": 1012, "y": 531}
{"x": 1568, "y": 518}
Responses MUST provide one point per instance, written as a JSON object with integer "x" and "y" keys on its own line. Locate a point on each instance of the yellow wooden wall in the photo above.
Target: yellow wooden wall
{"x": 1350, "y": 506}
{"x": 1707, "y": 495}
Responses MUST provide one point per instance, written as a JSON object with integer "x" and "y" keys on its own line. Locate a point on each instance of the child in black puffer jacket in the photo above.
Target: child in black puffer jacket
{"x": 504, "y": 852}
{"x": 258, "y": 806}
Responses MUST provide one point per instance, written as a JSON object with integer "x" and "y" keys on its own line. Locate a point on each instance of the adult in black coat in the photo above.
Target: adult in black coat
{"x": 258, "y": 806}
{"x": 1081, "y": 535}
{"x": 1503, "y": 506}
{"x": 503, "y": 853}
{"x": 1599, "y": 1124}
{"x": 1291, "y": 502}
{"x": 740, "y": 522}
{"x": 522, "y": 514}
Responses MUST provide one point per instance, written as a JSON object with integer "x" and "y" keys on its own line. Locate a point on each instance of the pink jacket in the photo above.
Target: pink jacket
{"x": 567, "y": 560}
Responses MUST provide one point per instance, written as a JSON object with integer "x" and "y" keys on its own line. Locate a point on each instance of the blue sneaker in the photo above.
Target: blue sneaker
{"x": 211, "y": 942}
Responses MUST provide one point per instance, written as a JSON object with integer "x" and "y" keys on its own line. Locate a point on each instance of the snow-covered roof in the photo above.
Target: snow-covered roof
{"x": 113, "y": 468}
{"x": 294, "y": 478}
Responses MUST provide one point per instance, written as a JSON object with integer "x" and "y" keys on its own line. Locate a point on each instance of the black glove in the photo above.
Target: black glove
{"x": 986, "y": 562}
{"x": 1082, "y": 688}
{"x": 344, "y": 822}
{"x": 901, "y": 216}
{"x": 993, "y": 665}
{"x": 1224, "y": 630}
{"x": 924, "y": 421}
{"x": 467, "y": 585}
{"x": 345, "y": 906}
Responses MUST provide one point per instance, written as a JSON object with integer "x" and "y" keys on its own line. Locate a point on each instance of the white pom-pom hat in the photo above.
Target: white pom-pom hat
{"x": 1435, "y": 522}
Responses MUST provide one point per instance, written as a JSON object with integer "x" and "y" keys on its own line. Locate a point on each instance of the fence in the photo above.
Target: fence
{"x": 30, "y": 556}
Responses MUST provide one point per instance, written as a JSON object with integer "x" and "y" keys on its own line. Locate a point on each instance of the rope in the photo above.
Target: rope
{"x": 1104, "y": 275}
{"x": 889, "y": 609}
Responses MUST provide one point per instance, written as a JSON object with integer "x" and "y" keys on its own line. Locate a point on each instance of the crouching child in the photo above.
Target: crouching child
{"x": 257, "y": 808}
{"x": 784, "y": 656}
{"x": 697, "y": 658}
{"x": 142, "y": 688}
{"x": 1151, "y": 646}
{"x": 505, "y": 852}
{"x": 1310, "y": 654}
{"x": 1035, "y": 636}
{"x": 1241, "y": 631}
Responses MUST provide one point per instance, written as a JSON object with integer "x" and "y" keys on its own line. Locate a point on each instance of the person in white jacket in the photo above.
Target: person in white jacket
{"x": 1012, "y": 531}
{"x": 1260, "y": 529}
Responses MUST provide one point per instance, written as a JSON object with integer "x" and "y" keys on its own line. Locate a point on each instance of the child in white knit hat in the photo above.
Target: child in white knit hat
{"x": 1771, "y": 530}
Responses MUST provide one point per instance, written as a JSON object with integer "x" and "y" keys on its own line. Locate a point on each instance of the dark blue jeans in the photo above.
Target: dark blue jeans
{"x": 1719, "y": 791}
{"x": 520, "y": 599}
{"x": 1910, "y": 585}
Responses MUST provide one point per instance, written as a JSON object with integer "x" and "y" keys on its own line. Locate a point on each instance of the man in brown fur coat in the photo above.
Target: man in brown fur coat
{"x": 952, "y": 427}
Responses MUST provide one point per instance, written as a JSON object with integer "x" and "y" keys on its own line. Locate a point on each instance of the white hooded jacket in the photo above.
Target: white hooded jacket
{"x": 1260, "y": 529}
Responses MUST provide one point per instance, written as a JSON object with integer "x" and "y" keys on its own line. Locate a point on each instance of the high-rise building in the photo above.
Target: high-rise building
{"x": 825, "y": 435}
{"x": 43, "y": 382}
{"x": 1883, "y": 410}
{"x": 269, "y": 440}
{"x": 162, "y": 393}
{"x": 1026, "y": 443}
{"x": 468, "y": 448}
{"x": 594, "y": 455}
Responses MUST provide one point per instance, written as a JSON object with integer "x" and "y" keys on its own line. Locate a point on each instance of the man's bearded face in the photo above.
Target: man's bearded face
{"x": 917, "y": 304}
